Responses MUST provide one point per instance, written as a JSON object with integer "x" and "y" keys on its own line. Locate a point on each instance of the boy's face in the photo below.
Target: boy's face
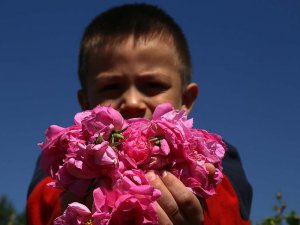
{"x": 136, "y": 77}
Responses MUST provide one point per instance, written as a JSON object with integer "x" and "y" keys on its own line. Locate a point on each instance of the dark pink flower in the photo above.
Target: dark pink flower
{"x": 92, "y": 161}
{"x": 166, "y": 144}
{"x": 131, "y": 201}
{"x": 136, "y": 144}
{"x": 82, "y": 170}
{"x": 59, "y": 142}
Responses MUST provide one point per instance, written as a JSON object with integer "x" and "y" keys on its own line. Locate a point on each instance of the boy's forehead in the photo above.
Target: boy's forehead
{"x": 147, "y": 60}
{"x": 131, "y": 46}
{"x": 136, "y": 42}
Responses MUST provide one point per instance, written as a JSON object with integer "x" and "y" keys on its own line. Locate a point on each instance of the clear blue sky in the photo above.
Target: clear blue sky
{"x": 246, "y": 57}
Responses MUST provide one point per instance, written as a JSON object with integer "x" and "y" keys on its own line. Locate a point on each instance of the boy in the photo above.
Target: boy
{"x": 134, "y": 57}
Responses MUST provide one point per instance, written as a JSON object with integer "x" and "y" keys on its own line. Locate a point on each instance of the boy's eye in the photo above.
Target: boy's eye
{"x": 111, "y": 90}
{"x": 154, "y": 88}
{"x": 110, "y": 87}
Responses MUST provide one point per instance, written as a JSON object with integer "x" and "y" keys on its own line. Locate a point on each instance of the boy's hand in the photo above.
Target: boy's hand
{"x": 177, "y": 204}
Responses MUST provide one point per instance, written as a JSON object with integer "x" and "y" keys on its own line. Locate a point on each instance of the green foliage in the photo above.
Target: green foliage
{"x": 8, "y": 213}
{"x": 280, "y": 217}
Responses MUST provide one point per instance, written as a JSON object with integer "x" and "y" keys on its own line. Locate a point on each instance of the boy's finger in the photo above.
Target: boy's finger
{"x": 187, "y": 202}
{"x": 211, "y": 169}
{"x": 162, "y": 216}
{"x": 166, "y": 201}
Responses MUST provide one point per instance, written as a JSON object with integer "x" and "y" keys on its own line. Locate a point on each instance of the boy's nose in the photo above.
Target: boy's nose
{"x": 133, "y": 104}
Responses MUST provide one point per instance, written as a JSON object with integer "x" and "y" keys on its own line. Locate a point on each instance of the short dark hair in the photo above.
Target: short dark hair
{"x": 140, "y": 20}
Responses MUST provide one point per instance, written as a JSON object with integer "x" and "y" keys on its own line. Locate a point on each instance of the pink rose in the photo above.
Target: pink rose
{"x": 202, "y": 147}
{"x": 207, "y": 145}
{"x": 86, "y": 166}
{"x": 80, "y": 116}
{"x": 167, "y": 143}
{"x": 108, "y": 155}
{"x": 165, "y": 112}
{"x": 92, "y": 161}
{"x": 103, "y": 120}
{"x": 136, "y": 144}
{"x": 131, "y": 201}
{"x": 161, "y": 109}
{"x": 152, "y": 144}
{"x": 65, "y": 181}
{"x": 75, "y": 214}
{"x": 59, "y": 142}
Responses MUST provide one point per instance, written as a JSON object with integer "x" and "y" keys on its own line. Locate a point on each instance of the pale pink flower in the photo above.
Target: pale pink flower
{"x": 176, "y": 117}
{"x": 207, "y": 146}
{"x": 161, "y": 110}
{"x": 75, "y": 214}
{"x": 102, "y": 120}
{"x": 65, "y": 181}
{"x": 80, "y": 116}
{"x": 202, "y": 147}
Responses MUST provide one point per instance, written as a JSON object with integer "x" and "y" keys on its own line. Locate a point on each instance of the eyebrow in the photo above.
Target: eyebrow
{"x": 152, "y": 75}
{"x": 108, "y": 76}
{"x": 147, "y": 75}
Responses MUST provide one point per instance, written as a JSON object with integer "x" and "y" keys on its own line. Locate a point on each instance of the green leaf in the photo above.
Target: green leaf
{"x": 292, "y": 218}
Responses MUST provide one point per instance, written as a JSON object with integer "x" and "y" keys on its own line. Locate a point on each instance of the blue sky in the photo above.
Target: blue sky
{"x": 246, "y": 58}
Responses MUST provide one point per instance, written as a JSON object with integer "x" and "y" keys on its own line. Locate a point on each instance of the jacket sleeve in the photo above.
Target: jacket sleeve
{"x": 232, "y": 203}
{"x": 223, "y": 208}
{"x": 43, "y": 204}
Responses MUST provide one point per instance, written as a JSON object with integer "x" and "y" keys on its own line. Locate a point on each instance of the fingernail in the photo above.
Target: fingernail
{"x": 163, "y": 173}
{"x": 211, "y": 170}
{"x": 151, "y": 175}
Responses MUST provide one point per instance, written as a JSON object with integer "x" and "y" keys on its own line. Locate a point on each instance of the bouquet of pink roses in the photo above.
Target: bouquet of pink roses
{"x": 109, "y": 156}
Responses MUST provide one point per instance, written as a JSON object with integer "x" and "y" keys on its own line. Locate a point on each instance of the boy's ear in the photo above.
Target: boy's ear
{"x": 83, "y": 100}
{"x": 189, "y": 96}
